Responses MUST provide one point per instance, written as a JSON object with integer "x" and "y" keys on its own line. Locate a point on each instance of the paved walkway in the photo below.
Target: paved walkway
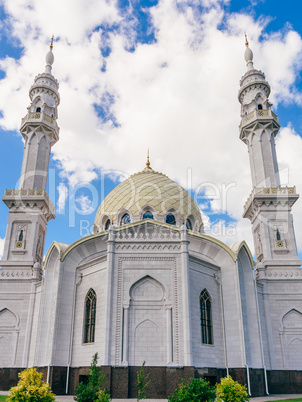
{"x": 260, "y": 399}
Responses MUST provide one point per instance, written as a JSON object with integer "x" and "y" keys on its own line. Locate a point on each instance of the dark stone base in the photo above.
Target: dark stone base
{"x": 121, "y": 381}
{"x": 284, "y": 381}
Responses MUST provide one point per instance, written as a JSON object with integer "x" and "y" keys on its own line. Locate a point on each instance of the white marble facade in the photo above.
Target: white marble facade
{"x": 148, "y": 274}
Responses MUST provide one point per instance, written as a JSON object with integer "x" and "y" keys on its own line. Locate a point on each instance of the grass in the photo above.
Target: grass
{"x": 2, "y": 398}
{"x": 284, "y": 400}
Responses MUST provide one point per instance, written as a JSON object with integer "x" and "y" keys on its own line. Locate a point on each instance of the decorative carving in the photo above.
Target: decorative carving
{"x": 13, "y": 274}
{"x": 278, "y": 274}
{"x": 147, "y": 247}
{"x": 280, "y": 243}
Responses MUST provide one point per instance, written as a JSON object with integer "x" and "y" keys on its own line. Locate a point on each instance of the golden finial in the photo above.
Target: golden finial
{"x": 148, "y": 162}
{"x": 246, "y": 41}
{"x": 51, "y": 43}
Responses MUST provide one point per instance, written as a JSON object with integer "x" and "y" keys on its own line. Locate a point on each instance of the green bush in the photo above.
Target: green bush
{"x": 90, "y": 392}
{"x": 103, "y": 396}
{"x": 197, "y": 390}
{"x": 30, "y": 388}
{"x": 231, "y": 391}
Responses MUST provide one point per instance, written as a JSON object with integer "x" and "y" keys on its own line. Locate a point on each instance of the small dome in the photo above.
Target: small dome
{"x": 148, "y": 191}
{"x": 248, "y": 54}
{"x": 50, "y": 58}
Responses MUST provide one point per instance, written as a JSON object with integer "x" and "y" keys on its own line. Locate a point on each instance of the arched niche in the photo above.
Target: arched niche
{"x": 291, "y": 339}
{"x": 147, "y": 288}
{"x": 8, "y": 319}
{"x": 147, "y": 323}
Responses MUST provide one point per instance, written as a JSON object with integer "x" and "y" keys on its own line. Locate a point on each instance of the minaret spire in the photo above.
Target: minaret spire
{"x": 148, "y": 164}
{"x": 49, "y": 58}
{"x": 248, "y": 55}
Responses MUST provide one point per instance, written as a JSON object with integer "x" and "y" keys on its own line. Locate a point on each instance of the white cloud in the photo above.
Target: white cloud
{"x": 289, "y": 151}
{"x": 176, "y": 96}
{"x": 84, "y": 202}
{"x": 1, "y": 247}
{"x": 63, "y": 194}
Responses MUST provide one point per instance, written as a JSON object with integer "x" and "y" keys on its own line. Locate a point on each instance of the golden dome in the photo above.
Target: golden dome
{"x": 148, "y": 191}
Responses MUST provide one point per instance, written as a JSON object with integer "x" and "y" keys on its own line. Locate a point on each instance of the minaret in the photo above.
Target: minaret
{"x": 269, "y": 205}
{"x": 29, "y": 206}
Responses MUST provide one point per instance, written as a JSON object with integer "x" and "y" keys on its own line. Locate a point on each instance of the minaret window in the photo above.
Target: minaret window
{"x": 260, "y": 107}
{"x": 90, "y": 309}
{"x": 38, "y": 110}
{"x": 20, "y": 235}
{"x": 170, "y": 218}
{"x": 148, "y": 215}
{"x": 125, "y": 219}
{"x": 107, "y": 224}
{"x": 206, "y": 318}
{"x": 278, "y": 236}
{"x": 189, "y": 224}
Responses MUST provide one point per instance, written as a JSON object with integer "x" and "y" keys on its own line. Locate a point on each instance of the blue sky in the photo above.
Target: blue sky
{"x": 162, "y": 75}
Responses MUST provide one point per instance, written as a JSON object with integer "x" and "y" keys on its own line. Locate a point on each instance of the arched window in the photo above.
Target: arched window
{"x": 206, "y": 318}
{"x": 148, "y": 215}
{"x": 170, "y": 218}
{"x": 107, "y": 224}
{"x": 260, "y": 107}
{"x": 125, "y": 219}
{"x": 189, "y": 224}
{"x": 89, "y": 324}
{"x": 278, "y": 235}
{"x": 38, "y": 110}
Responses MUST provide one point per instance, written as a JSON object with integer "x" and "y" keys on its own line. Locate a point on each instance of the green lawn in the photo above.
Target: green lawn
{"x": 285, "y": 400}
{"x": 2, "y": 398}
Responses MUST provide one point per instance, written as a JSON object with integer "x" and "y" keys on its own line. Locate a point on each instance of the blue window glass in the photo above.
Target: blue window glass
{"x": 38, "y": 110}
{"x": 170, "y": 218}
{"x": 206, "y": 318}
{"x": 90, "y": 310}
{"x": 189, "y": 224}
{"x": 148, "y": 215}
{"x": 107, "y": 224}
{"x": 125, "y": 219}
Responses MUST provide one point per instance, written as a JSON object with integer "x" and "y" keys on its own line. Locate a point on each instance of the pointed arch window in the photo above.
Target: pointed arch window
{"x": 38, "y": 110}
{"x": 189, "y": 224}
{"x": 260, "y": 107}
{"x": 107, "y": 224}
{"x": 206, "y": 318}
{"x": 20, "y": 235}
{"x": 148, "y": 215}
{"x": 170, "y": 218}
{"x": 278, "y": 235}
{"x": 125, "y": 219}
{"x": 90, "y": 310}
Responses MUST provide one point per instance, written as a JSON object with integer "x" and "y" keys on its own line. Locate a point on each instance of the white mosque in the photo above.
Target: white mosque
{"x": 149, "y": 285}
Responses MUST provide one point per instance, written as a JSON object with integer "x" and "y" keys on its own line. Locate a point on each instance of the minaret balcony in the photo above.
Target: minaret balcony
{"x": 259, "y": 115}
{"x": 24, "y": 199}
{"x": 40, "y": 117}
{"x": 269, "y": 195}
